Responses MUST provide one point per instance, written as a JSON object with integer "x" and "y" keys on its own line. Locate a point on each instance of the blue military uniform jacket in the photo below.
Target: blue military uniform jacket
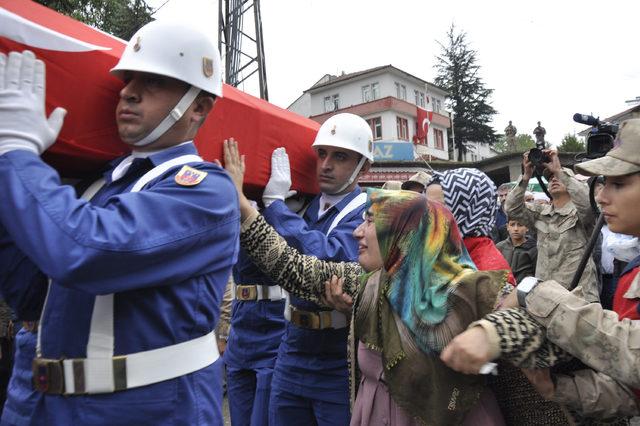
{"x": 166, "y": 252}
{"x": 313, "y": 363}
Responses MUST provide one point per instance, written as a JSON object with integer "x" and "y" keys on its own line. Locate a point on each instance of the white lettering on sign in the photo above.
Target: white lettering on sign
{"x": 383, "y": 151}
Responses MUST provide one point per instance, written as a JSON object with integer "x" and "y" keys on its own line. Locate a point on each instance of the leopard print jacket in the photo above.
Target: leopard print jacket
{"x": 301, "y": 275}
{"x": 523, "y": 341}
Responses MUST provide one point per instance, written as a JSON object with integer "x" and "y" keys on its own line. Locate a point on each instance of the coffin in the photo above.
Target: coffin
{"x": 78, "y": 59}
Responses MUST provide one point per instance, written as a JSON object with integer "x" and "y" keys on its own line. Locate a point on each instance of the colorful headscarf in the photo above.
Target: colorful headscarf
{"x": 471, "y": 196}
{"x": 423, "y": 254}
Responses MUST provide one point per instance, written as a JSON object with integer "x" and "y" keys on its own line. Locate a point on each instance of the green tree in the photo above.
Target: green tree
{"x": 122, "y": 18}
{"x": 571, "y": 143}
{"x": 458, "y": 74}
{"x": 524, "y": 143}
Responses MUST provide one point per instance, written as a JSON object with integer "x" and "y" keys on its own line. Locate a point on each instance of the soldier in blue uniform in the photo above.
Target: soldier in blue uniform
{"x": 310, "y": 380}
{"x": 257, "y": 325}
{"x": 137, "y": 273}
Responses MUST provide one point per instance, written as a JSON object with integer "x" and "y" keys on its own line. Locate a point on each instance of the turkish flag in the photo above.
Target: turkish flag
{"x": 78, "y": 59}
{"x": 423, "y": 120}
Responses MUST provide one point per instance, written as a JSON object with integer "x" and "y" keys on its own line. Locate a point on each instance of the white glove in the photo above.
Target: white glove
{"x": 279, "y": 185}
{"x": 23, "y": 123}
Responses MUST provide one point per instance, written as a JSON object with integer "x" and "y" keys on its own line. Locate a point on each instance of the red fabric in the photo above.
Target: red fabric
{"x": 80, "y": 82}
{"x": 486, "y": 256}
{"x": 627, "y": 308}
{"x": 423, "y": 120}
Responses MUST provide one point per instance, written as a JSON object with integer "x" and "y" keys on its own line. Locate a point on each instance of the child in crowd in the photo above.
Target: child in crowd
{"x": 520, "y": 250}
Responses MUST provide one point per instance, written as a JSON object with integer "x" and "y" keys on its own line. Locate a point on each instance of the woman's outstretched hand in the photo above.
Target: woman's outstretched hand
{"x": 335, "y": 297}
{"x": 468, "y": 351}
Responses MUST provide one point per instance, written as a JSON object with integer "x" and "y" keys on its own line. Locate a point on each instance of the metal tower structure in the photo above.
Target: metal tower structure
{"x": 242, "y": 49}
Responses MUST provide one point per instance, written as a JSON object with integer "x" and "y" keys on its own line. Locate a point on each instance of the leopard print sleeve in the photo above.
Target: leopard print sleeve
{"x": 301, "y": 275}
{"x": 523, "y": 341}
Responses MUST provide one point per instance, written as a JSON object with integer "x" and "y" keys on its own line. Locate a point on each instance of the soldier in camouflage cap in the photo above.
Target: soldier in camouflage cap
{"x": 608, "y": 342}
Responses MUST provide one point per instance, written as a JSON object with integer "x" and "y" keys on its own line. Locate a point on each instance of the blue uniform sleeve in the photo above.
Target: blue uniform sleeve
{"x": 22, "y": 284}
{"x": 339, "y": 245}
{"x": 161, "y": 235}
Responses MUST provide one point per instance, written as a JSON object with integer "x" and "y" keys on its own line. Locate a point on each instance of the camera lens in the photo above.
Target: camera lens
{"x": 536, "y": 155}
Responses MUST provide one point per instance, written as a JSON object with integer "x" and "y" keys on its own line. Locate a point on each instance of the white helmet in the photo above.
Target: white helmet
{"x": 346, "y": 131}
{"x": 176, "y": 50}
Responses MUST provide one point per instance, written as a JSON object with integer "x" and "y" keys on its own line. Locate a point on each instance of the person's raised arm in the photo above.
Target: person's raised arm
{"x": 302, "y": 275}
{"x": 514, "y": 205}
{"x": 578, "y": 191}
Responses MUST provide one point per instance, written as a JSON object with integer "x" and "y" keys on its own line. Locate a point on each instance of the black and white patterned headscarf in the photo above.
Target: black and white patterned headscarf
{"x": 471, "y": 196}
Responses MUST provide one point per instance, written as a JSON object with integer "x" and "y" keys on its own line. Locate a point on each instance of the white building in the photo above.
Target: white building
{"x": 391, "y": 101}
{"x": 477, "y": 151}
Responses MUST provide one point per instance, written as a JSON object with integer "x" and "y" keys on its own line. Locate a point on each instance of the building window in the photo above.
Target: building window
{"x": 336, "y": 102}
{"x": 437, "y": 105}
{"x": 403, "y": 128}
{"x": 328, "y": 106}
{"x": 366, "y": 93}
{"x": 438, "y": 139}
{"x": 375, "y": 90}
{"x": 401, "y": 91}
{"x": 376, "y": 127}
{"x": 419, "y": 97}
{"x": 331, "y": 103}
{"x": 370, "y": 92}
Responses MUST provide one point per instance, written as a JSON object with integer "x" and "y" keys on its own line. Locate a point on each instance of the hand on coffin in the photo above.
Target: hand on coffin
{"x": 279, "y": 185}
{"x": 23, "y": 122}
{"x": 235, "y": 167}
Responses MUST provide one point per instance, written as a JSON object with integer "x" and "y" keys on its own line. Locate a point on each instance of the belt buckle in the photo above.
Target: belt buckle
{"x": 305, "y": 319}
{"x": 324, "y": 319}
{"x": 246, "y": 292}
{"x": 48, "y": 376}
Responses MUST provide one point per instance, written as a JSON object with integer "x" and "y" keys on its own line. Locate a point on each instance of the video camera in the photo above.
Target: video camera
{"x": 601, "y": 137}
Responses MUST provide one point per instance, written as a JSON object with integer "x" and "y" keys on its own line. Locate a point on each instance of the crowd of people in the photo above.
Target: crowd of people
{"x": 440, "y": 300}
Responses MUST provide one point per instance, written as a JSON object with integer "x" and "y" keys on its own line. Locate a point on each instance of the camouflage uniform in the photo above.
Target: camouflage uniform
{"x": 596, "y": 336}
{"x": 562, "y": 233}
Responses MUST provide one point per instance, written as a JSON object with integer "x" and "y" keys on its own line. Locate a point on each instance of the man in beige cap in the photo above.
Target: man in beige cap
{"x": 606, "y": 341}
{"x": 417, "y": 183}
{"x": 562, "y": 226}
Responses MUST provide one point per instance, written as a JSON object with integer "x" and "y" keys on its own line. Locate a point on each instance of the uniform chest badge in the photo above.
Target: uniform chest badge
{"x": 188, "y": 176}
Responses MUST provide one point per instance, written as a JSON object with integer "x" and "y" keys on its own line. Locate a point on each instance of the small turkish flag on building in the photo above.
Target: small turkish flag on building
{"x": 423, "y": 120}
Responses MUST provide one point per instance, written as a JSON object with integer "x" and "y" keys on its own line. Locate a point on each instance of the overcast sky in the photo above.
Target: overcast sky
{"x": 545, "y": 60}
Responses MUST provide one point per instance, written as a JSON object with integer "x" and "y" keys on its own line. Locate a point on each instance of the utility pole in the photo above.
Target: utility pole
{"x": 242, "y": 47}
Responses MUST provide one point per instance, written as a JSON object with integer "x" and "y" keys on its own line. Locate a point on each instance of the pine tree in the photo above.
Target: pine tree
{"x": 458, "y": 74}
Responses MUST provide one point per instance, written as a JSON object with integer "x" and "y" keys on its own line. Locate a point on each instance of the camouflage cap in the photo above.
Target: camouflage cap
{"x": 624, "y": 157}
{"x": 421, "y": 178}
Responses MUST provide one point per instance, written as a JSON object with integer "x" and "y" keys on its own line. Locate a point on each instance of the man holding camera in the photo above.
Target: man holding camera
{"x": 563, "y": 227}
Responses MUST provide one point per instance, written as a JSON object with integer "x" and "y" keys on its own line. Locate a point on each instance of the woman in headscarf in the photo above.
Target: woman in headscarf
{"x": 471, "y": 197}
{"x": 414, "y": 289}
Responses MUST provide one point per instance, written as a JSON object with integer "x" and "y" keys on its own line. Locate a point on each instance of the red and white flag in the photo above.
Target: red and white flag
{"x": 423, "y": 121}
